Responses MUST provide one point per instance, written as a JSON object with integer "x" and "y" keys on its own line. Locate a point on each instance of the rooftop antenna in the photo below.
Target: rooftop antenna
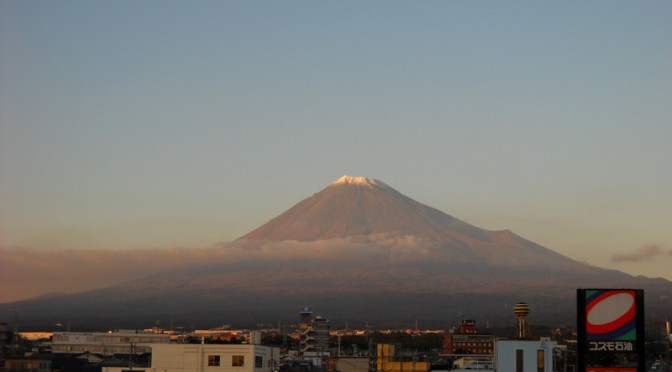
{"x": 15, "y": 336}
{"x": 283, "y": 333}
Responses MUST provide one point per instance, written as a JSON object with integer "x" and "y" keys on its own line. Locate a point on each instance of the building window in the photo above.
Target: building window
{"x": 258, "y": 362}
{"x": 213, "y": 360}
{"x": 520, "y": 362}
{"x": 540, "y": 361}
{"x": 238, "y": 361}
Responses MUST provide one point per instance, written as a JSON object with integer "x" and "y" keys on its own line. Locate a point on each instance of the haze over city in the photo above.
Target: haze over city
{"x": 170, "y": 126}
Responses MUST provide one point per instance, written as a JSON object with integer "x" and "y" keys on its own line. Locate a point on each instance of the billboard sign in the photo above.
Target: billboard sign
{"x": 610, "y": 330}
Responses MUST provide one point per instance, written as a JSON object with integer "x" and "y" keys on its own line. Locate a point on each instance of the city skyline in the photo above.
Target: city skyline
{"x": 163, "y": 125}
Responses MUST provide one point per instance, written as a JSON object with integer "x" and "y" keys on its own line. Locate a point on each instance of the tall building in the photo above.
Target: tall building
{"x": 305, "y": 317}
{"x": 315, "y": 337}
{"x": 314, "y": 332}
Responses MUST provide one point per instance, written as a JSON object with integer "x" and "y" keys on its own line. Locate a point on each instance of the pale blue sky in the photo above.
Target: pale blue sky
{"x": 149, "y": 124}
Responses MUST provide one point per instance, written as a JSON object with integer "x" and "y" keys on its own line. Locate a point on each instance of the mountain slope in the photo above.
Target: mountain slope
{"x": 357, "y": 249}
{"x": 353, "y": 206}
{"x": 364, "y": 207}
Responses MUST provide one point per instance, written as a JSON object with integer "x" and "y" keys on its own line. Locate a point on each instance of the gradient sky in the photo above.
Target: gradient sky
{"x": 158, "y": 124}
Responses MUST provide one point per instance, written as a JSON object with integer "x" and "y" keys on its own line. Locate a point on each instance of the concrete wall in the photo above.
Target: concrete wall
{"x": 195, "y": 358}
{"x": 506, "y": 351}
{"x": 349, "y": 364}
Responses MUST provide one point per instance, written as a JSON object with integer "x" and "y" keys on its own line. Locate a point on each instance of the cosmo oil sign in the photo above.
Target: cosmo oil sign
{"x": 610, "y": 330}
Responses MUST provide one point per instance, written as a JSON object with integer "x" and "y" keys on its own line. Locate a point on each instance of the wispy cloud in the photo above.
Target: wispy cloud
{"x": 379, "y": 247}
{"x": 642, "y": 253}
{"x": 28, "y": 273}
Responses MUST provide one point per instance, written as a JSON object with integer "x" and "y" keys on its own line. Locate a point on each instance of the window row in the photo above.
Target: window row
{"x": 236, "y": 360}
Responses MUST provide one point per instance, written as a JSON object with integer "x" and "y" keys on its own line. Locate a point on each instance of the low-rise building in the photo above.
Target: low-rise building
{"x": 387, "y": 361}
{"x": 119, "y": 342}
{"x": 210, "y": 357}
{"x": 523, "y": 355}
{"x": 467, "y": 342}
{"x": 30, "y": 363}
{"x": 348, "y": 364}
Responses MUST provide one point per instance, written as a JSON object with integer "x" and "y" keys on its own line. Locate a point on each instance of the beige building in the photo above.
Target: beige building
{"x": 213, "y": 357}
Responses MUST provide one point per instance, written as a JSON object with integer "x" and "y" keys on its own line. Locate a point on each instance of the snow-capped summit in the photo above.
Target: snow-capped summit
{"x": 358, "y": 180}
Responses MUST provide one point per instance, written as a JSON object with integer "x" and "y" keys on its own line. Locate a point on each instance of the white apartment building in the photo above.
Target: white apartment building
{"x": 118, "y": 342}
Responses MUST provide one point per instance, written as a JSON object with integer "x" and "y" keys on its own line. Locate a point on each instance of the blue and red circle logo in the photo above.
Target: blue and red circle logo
{"x": 611, "y": 315}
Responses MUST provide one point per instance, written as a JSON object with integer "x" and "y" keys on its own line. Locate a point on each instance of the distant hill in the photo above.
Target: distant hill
{"x": 356, "y": 251}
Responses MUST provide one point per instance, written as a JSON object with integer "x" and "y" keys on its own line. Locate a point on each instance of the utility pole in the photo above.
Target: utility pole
{"x": 130, "y": 359}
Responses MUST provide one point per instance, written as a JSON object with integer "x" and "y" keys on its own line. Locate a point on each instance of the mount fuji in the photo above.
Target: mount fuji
{"x": 366, "y": 209}
{"x": 358, "y": 251}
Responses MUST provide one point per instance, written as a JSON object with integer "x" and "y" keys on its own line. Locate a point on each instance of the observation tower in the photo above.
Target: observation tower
{"x": 521, "y": 310}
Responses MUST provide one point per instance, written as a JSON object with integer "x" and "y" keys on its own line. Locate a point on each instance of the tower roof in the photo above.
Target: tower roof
{"x": 521, "y": 309}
